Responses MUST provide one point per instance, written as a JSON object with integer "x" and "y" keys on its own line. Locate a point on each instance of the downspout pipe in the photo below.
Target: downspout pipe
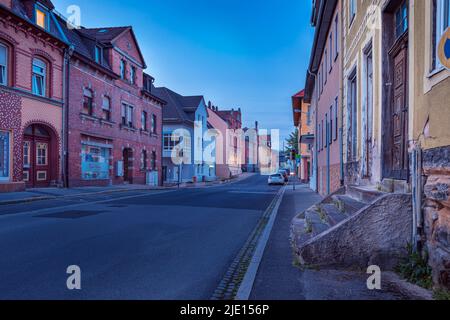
{"x": 316, "y": 153}
{"x": 66, "y": 73}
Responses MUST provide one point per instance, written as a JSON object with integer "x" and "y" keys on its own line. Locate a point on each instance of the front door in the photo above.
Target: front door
{"x": 399, "y": 103}
{"x": 126, "y": 165}
{"x": 369, "y": 111}
{"x": 37, "y": 157}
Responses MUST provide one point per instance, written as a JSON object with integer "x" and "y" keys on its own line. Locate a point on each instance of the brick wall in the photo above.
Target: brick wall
{"x": 83, "y": 127}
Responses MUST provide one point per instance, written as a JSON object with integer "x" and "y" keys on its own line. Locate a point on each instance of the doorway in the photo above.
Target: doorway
{"x": 368, "y": 112}
{"x": 127, "y": 165}
{"x": 395, "y": 100}
{"x": 38, "y": 156}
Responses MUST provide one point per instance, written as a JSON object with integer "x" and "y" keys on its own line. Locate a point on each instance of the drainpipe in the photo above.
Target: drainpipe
{"x": 65, "y": 139}
{"x": 316, "y": 152}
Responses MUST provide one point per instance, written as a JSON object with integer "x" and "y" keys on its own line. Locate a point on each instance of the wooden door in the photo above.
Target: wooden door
{"x": 37, "y": 157}
{"x": 369, "y": 113}
{"x": 399, "y": 110}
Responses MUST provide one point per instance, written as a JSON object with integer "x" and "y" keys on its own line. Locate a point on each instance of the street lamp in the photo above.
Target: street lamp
{"x": 293, "y": 175}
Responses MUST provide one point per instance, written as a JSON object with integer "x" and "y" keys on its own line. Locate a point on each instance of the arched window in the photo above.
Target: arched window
{"x": 39, "y": 77}
{"x": 106, "y": 107}
{"x": 88, "y": 107}
{"x": 3, "y": 64}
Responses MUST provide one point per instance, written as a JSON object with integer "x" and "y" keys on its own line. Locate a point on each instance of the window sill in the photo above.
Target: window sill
{"x": 124, "y": 127}
{"x": 107, "y": 122}
{"x": 144, "y": 132}
{"x": 435, "y": 72}
{"x": 89, "y": 117}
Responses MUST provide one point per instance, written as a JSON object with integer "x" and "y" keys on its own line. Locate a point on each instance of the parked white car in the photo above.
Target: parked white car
{"x": 276, "y": 179}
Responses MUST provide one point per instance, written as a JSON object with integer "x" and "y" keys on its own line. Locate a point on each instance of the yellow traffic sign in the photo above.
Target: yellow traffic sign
{"x": 444, "y": 49}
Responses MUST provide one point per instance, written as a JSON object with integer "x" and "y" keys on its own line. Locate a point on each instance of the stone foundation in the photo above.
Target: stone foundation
{"x": 436, "y": 168}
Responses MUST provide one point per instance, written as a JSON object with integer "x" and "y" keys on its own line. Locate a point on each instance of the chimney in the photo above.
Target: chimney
{"x": 209, "y": 105}
{"x": 256, "y": 125}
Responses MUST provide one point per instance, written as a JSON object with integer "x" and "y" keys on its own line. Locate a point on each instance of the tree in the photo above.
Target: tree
{"x": 292, "y": 141}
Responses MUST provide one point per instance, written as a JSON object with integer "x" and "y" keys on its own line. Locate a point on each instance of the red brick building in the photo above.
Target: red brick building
{"x": 32, "y": 50}
{"x": 114, "y": 120}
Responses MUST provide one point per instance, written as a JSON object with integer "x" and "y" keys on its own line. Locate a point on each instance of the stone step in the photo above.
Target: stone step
{"x": 333, "y": 213}
{"x": 316, "y": 220}
{"x": 299, "y": 232}
{"x": 365, "y": 194}
{"x": 347, "y": 204}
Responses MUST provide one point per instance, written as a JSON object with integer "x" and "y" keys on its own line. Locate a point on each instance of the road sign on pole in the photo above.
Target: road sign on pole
{"x": 444, "y": 49}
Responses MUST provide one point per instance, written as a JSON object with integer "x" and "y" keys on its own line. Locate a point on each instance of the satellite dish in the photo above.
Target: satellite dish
{"x": 444, "y": 49}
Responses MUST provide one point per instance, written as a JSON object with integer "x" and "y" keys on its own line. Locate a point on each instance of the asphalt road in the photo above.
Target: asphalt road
{"x": 136, "y": 245}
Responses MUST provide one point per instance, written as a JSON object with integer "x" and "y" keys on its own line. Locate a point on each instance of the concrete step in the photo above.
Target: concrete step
{"x": 333, "y": 213}
{"x": 365, "y": 194}
{"x": 316, "y": 220}
{"x": 347, "y": 204}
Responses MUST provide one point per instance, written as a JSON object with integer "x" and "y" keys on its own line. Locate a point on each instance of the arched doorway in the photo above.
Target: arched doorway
{"x": 39, "y": 161}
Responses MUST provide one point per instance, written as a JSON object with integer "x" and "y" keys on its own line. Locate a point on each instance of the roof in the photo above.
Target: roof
{"x": 54, "y": 28}
{"x": 297, "y": 100}
{"x": 322, "y": 20}
{"x": 178, "y": 108}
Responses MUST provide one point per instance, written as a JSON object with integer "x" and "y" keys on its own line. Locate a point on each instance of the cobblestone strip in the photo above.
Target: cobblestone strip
{"x": 230, "y": 283}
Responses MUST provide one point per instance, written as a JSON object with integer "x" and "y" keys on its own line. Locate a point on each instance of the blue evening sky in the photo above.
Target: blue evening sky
{"x": 247, "y": 53}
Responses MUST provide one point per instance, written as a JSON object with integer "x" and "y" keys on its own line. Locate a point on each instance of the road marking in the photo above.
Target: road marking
{"x": 246, "y": 286}
{"x": 253, "y": 192}
{"x": 15, "y": 214}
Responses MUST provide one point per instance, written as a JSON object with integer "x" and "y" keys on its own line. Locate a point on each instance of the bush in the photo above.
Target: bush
{"x": 415, "y": 269}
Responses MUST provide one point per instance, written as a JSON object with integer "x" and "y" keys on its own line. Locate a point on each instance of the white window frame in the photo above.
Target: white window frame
{"x": 37, "y": 74}
{"x": 4, "y": 66}
{"x": 128, "y": 115}
{"x": 46, "y": 16}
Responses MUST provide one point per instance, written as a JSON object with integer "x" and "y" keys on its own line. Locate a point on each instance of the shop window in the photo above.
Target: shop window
{"x": 4, "y": 155}
{"x": 95, "y": 163}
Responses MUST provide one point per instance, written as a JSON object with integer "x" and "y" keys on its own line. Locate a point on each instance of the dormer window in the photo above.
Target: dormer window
{"x": 41, "y": 17}
{"x": 98, "y": 54}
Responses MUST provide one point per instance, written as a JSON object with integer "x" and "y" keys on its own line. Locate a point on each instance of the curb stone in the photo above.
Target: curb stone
{"x": 231, "y": 282}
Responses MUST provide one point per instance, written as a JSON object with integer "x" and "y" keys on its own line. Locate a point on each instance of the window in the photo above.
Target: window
{"x": 154, "y": 124}
{"x": 133, "y": 75}
{"x": 326, "y": 130}
{"x": 170, "y": 141}
{"x": 127, "y": 115}
{"x": 352, "y": 10}
{"x": 441, "y": 23}
{"x": 308, "y": 118}
{"x": 144, "y": 160}
{"x": 326, "y": 66}
{"x": 88, "y": 107}
{"x": 41, "y": 154}
{"x": 106, "y": 109}
{"x": 336, "y": 122}
{"x": 144, "y": 121}
{"x": 4, "y": 155}
{"x": 330, "y": 133}
{"x": 122, "y": 69}
{"x": 352, "y": 106}
{"x": 330, "y": 47}
{"x": 153, "y": 161}
{"x": 41, "y": 18}
{"x": 401, "y": 20}
{"x": 39, "y": 77}
{"x": 336, "y": 37}
{"x": 26, "y": 154}
{"x": 319, "y": 137}
{"x": 95, "y": 163}
{"x": 3, "y": 65}
{"x": 98, "y": 54}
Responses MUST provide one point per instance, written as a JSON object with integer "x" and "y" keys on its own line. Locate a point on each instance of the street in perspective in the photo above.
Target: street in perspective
{"x": 193, "y": 151}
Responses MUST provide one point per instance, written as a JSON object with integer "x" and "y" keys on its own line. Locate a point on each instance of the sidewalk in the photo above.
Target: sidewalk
{"x": 39, "y": 194}
{"x": 279, "y": 279}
